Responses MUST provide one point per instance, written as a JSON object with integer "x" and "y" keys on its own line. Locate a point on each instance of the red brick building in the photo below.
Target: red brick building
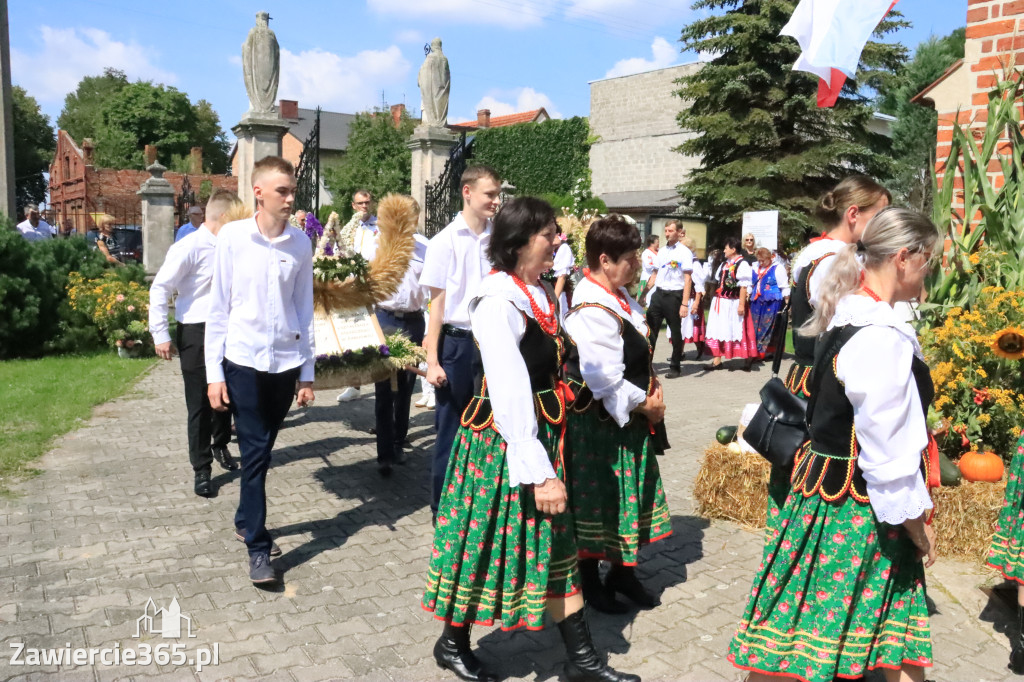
{"x": 485, "y": 120}
{"x": 79, "y": 191}
{"x": 995, "y": 39}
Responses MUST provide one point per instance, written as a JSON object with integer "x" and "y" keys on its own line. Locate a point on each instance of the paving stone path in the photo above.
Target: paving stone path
{"x": 112, "y": 523}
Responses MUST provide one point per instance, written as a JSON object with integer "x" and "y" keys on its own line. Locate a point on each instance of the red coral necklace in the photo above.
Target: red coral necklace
{"x": 547, "y": 321}
{"x": 623, "y": 303}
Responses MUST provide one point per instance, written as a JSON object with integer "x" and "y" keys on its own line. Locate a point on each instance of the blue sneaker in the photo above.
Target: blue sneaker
{"x": 260, "y": 570}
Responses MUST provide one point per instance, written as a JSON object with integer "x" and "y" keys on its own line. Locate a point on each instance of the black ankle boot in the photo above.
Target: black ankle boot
{"x": 1017, "y": 651}
{"x": 584, "y": 664}
{"x": 595, "y": 594}
{"x": 622, "y": 579}
{"x": 453, "y": 652}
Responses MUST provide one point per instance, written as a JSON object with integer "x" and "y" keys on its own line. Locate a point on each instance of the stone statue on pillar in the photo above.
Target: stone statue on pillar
{"x": 435, "y": 81}
{"x": 261, "y": 66}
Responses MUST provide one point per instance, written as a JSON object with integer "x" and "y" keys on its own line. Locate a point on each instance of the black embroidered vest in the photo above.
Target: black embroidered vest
{"x": 827, "y": 464}
{"x": 800, "y": 305}
{"x": 636, "y": 352}
{"x": 543, "y": 357}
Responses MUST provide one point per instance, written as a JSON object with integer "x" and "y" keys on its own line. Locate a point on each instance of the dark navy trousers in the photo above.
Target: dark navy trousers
{"x": 455, "y": 353}
{"x": 260, "y": 402}
{"x": 391, "y": 407}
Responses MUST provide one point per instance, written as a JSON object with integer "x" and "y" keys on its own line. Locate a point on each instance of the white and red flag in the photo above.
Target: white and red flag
{"x": 832, "y": 34}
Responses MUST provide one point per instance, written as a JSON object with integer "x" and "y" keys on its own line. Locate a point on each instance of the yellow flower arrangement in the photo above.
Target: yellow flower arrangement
{"x": 118, "y": 308}
{"x": 977, "y": 386}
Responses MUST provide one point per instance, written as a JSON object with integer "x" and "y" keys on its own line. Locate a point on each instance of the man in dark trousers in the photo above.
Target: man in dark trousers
{"x": 454, "y": 266}
{"x": 188, "y": 271}
{"x": 671, "y": 298}
{"x": 259, "y": 340}
{"x": 401, "y": 312}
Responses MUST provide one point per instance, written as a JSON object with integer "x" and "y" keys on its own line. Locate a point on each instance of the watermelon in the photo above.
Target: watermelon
{"x": 726, "y": 435}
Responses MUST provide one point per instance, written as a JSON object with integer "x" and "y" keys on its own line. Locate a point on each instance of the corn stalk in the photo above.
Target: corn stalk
{"x": 1000, "y": 211}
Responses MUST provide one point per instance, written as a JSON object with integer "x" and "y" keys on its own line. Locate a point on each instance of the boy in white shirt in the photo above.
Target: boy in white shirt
{"x": 259, "y": 340}
{"x": 455, "y": 263}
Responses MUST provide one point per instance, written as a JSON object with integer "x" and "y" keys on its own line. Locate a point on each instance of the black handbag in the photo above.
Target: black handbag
{"x": 779, "y": 427}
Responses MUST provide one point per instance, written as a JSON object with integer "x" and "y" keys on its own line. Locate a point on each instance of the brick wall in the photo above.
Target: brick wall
{"x": 635, "y": 119}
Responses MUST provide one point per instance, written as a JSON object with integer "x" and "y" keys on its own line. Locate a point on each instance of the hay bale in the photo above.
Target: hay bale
{"x": 732, "y": 487}
{"x": 965, "y": 518}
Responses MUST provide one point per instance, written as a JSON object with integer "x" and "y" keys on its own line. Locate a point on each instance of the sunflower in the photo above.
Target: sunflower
{"x": 1009, "y": 344}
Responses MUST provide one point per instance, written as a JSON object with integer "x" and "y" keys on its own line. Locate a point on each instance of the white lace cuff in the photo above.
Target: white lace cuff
{"x": 623, "y": 400}
{"x": 897, "y": 501}
{"x": 528, "y": 462}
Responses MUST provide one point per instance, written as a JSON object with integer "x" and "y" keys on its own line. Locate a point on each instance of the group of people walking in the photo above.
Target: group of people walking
{"x": 549, "y": 420}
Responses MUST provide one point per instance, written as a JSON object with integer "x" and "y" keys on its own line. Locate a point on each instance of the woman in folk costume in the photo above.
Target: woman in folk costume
{"x": 771, "y": 292}
{"x": 841, "y": 590}
{"x": 1007, "y": 551}
{"x": 562, "y": 271}
{"x": 503, "y": 546}
{"x": 615, "y": 489}
{"x": 845, "y": 212}
{"x": 648, "y": 266}
{"x": 694, "y": 324}
{"x": 730, "y": 330}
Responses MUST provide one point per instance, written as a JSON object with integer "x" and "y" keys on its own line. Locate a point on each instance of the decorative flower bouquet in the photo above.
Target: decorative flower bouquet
{"x": 978, "y": 389}
{"x": 119, "y": 309}
{"x": 369, "y": 364}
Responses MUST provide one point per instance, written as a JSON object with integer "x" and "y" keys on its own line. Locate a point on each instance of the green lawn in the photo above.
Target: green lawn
{"x": 45, "y": 398}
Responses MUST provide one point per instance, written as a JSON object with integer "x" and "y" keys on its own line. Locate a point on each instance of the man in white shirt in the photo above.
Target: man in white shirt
{"x": 359, "y": 236}
{"x": 402, "y": 312}
{"x": 259, "y": 340}
{"x": 671, "y": 299}
{"x": 455, "y": 264}
{"x": 188, "y": 271}
{"x": 195, "y": 221}
{"x": 33, "y": 228}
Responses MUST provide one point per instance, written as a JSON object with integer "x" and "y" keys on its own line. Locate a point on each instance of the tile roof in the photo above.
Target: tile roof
{"x": 499, "y": 121}
{"x": 334, "y": 128}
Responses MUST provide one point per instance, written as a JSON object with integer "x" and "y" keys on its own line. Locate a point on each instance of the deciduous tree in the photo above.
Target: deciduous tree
{"x": 33, "y": 148}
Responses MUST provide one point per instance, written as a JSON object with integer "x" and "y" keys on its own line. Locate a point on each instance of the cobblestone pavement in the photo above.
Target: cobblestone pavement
{"x": 112, "y": 522}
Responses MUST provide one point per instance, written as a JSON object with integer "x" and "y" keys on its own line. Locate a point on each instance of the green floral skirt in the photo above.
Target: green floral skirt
{"x": 837, "y": 593}
{"x": 615, "y": 489}
{"x": 1007, "y": 551}
{"x": 495, "y": 557}
{"x": 797, "y": 381}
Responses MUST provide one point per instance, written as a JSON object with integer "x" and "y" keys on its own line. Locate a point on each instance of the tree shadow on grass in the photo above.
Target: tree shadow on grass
{"x": 541, "y": 655}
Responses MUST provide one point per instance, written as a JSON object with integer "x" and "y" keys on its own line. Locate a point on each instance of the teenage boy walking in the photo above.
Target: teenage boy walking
{"x": 259, "y": 340}
{"x": 455, "y": 263}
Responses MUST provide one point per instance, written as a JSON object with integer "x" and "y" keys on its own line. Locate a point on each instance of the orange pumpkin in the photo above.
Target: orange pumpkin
{"x": 981, "y": 466}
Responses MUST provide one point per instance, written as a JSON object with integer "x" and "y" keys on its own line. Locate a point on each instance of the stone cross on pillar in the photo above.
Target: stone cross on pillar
{"x": 157, "y": 218}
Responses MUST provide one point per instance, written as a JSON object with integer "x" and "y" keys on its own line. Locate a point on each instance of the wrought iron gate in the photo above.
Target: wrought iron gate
{"x": 307, "y": 173}
{"x": 444, "y": 197}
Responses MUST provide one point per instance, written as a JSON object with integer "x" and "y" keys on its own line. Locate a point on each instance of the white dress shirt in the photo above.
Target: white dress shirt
{"x": 597, "y": 337}
{"x": 647, "y": 261}
{"x": 187, "y": 270}
{"x": 875, "y": 368}
{"x": 261, "y": 302}
{"x": 364, "y": 239}
{"x": 496, "y": 313}
{"x": 673, "y": 262}
{"x": 812, "y": 252}
{"x": 457, "y": 262}
{"x": 411, "y": 295}
{"x": 37, "y": 233}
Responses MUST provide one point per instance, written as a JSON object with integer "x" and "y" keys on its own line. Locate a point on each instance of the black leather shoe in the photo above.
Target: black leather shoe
{"x": 1017, "y": 652}
{"x": 224, "y": 458}
{"x": 384, "y": 470}
{"x": 453, "y": 652}
{"x": 400, "y": 456}
{"x": 203, "y": 485}
{"x": 595, "y": 594}
{"x": 622, "y": 579}
{"x": 673, "y": 374}
{"x": 584, "y": 664}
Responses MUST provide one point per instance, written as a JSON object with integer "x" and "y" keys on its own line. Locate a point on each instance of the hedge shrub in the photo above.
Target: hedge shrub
{"x": 34, "y": 315}
{"x": 538, "y": 158}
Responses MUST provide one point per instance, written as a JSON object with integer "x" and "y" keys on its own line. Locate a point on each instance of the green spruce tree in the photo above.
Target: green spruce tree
{"x": 763, "y": 142}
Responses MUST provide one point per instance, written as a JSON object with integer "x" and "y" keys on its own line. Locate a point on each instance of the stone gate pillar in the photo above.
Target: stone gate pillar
{"x": 430, "y": 147}
{"x": 258, "y": 138}
{"x": 157, "y": 218}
